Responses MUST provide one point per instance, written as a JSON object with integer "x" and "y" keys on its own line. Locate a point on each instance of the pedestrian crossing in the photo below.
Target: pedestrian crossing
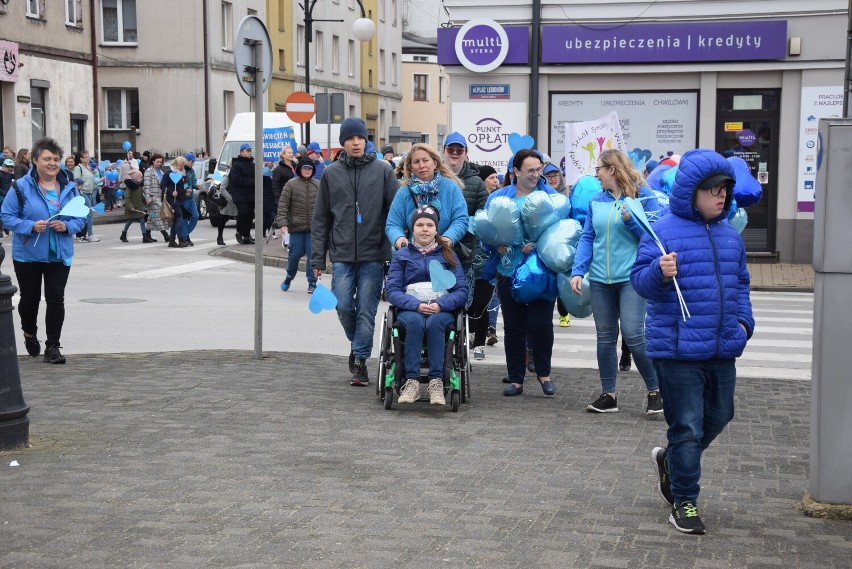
{"x": 780, "y": 348}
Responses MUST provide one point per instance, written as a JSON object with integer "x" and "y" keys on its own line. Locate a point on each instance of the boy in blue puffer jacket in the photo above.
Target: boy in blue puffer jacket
{"x": 694, "y": 356}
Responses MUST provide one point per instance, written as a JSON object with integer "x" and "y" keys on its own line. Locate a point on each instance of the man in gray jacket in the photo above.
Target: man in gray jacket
{"x": 349, "y": 220}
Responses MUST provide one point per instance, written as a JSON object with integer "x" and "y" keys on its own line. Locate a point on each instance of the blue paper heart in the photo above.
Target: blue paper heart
{"x": 518, "y": 142}
{"x": 442, "y": 279}
{"x": 103, "y": 164}
{"x": 75, "y": 208}
{"x": 175, "y": 177}
{"x": 217, "y": 175}
{"x": 638, "y": 213}
{"x": 100, "y": 208}
{"x": 126, "y": 145}
{"x": 322, "y": 299}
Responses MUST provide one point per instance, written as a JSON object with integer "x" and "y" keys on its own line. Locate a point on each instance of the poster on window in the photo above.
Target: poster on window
{"x": 584, "y": 142}
{"x": 486, "y": 127}
{"x": 817, "y": 103}
{"x": 652, "y": 124}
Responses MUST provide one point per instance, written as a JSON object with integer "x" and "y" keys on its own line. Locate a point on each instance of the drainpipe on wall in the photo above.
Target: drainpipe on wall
{"x": 207, "y": 78}
{"x": 534, "y": 53}
{"x": 848, "y": 75}
{"x": 95, "y": 98}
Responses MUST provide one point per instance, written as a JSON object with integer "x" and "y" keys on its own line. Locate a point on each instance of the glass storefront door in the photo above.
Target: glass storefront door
{"x": 747, "y": 127}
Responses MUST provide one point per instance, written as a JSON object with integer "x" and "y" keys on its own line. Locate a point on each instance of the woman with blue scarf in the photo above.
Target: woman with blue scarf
{"x": 429, "y": 182}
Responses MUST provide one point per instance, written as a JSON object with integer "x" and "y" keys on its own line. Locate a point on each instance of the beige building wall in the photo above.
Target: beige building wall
{"x": 57, "y": 57}
{"x": 432, "y": 116}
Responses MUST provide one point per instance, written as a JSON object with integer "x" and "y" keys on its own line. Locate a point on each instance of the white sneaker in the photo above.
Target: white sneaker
{"x": 82, "y": 240}
{"x": 94, "y": 238}
{"x": 479, "y": 353}
{"x": 436, "y": 392}
{"x": 410, "y": 391}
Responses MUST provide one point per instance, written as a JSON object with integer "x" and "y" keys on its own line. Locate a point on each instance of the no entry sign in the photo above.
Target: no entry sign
{"x": 300, "y": 107}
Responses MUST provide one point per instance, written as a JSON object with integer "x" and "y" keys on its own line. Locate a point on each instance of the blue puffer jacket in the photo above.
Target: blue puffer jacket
{"x": 712, "y": 274}
{"x": 25, "y": 247}
{"x": 411, "y": 266}
{"x": 608, "y": 245}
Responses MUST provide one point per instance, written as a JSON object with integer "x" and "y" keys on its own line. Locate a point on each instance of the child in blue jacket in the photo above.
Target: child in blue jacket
{"x": 694, "y": 355}
{"x": 422, "y": 312}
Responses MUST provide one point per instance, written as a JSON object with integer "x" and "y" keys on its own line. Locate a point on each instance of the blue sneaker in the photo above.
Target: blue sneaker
{"x": 285, "y": 284}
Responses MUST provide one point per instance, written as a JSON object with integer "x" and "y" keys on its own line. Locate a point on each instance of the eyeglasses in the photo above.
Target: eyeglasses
{"x": 532, "y": 171}
{"x": 599, "y": 167}
{"x": 454, "y": 150}
{"x": 718, "y": 189}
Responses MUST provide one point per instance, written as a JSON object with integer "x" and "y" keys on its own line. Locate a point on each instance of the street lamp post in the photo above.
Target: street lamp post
{"x": 14, "y": 422}
{"x": 364, "y": 29}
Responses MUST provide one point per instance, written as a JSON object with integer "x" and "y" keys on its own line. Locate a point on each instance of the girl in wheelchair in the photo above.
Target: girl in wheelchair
{"x": 420, "y": 311}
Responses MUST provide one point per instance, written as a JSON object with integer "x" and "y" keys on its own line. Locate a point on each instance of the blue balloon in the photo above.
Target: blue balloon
{"x": 119, "y": 162}
{"x": 500, "y": 224}
{"x": 267, "y": 173}
{"x": 111, "y": 175}
{"x": 653, "y": 179}
{"x": 667, "y": 180}
{"x": 541, "y": 210}
{"x": 747, "y": 190}
{"x": 576, "y": 305}
{"x": 126, "y": 145}
{"x": 533, "y": 281}
{"x": 510, "y": 260}
{"x": 739, "y": 220}
{"x": 581, "y": 195}
{"x": 119, "y": 193}
{"x": 558, "y": 244}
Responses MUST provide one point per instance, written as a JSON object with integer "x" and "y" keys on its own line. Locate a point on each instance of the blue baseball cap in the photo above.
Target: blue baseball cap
{"x": 550, "y": 168}
{"x": 314, "y": 147}
{"x": 189, "y": 156}
{"x": 455, "y": 138}
{"x": 245, "y": 146}
{"x": 8, "y": 162}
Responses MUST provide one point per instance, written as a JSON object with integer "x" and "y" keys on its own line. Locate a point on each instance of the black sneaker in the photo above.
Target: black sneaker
{"x": 530, "y": 361}
{"x": 606, "y": 403}
{"x": 655, "y": 403}
{"x": 624, "y": 363}
{"x": 684, "y": 518}
{"x": 492, "y": 337}
{"x": 658, "y": 455}
{"x": 352, "y": 363}
{"x": 32, "y": 345}
{"x": 359, "y": 376}
{"x": 52, "y": 355}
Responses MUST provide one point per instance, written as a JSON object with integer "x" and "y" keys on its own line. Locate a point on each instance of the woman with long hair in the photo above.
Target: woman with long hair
{"x": 22, "y": 163}
{"x": 607, "y": 251}
{"x": 152, "y": 195}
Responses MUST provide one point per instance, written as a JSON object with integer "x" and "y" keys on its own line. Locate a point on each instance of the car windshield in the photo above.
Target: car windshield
{"x": 230, "y": 150}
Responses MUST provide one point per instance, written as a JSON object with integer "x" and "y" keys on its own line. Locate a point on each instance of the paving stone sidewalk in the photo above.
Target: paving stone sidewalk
{"x": 213, "y": 459}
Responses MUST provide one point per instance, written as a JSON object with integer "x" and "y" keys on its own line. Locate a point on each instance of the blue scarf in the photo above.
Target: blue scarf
{"x": 425, "y": 193}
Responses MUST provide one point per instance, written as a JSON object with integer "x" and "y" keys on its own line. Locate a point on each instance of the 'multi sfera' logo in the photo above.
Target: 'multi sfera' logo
{"x": 482, "y": 45}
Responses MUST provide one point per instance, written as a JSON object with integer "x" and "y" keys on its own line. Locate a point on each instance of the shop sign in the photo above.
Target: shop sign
{"x": 9, "y": 59}
{"x": 480, "y": 45}
{"x": 817, "y": 103}
{"x": 733, "y": 126}
{"x": 486, "y": 126}
{"x": 670, "y": 42}
{"x": 488, "y": 92}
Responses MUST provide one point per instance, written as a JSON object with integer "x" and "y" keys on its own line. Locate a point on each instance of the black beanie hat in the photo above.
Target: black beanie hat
{"x": 306, "y": 163}
{"x": 485, "y": 171}
{"x": 352, "y": 126}
{"x": 425, "y": 211}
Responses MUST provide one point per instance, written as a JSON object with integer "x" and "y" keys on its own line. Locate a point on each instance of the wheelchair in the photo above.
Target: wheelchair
{"x": 456, "y": 361}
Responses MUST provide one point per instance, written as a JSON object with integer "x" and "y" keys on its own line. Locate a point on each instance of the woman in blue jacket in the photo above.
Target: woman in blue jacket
{"x": 694, "y": 356}
{"x": 421, "y": 316}
{"x": 607, "y": 250}
{"x": 42, "y": 248}
{"x": 428, "y": 182}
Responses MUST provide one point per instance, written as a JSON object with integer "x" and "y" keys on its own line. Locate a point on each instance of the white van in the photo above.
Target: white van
{"x": 241, "y": 131}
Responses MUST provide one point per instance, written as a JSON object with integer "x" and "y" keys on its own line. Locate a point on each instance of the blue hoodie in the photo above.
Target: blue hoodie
{"x": 711, "y": 273}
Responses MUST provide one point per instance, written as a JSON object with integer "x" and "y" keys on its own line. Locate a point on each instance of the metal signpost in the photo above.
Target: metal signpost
{"x": 253, "y": 64}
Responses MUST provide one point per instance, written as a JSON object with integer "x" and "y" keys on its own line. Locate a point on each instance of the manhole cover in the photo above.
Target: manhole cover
{"x": 113, "y": 300}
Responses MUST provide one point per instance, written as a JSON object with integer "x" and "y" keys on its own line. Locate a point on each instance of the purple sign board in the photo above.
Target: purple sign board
{"x": 483, "y": 45}
{"x": 642, "y": 43}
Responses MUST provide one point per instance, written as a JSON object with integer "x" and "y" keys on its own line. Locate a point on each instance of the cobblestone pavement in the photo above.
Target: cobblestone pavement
{"x": 213, "y": 459}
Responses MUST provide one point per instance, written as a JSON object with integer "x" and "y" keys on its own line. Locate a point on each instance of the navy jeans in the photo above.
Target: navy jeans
{"x": 698, "y": 401}
{"x": 189, "y": 204}
{"x": 358, "y": 288}
{"x": 433, "y": 328}
{"x": 611, "y": 304}
{"x": 525, "y": 325}
{"x": 300, "y": 246}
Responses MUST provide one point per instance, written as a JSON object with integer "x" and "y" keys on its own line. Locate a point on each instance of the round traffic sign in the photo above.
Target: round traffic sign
{"x": 300, "y": 107}
{"x": 252, "y": 34}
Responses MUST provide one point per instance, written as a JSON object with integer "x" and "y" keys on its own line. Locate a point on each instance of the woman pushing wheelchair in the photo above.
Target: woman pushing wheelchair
{"x": 423, "y": 313}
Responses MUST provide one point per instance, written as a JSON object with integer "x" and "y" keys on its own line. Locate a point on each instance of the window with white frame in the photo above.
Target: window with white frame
{"x": 381, "y": 66}
{"x": 441, "y": 91}
{"x": 227, "y": 26}
{"x": 421, "y": 87}
{"x": 382, "y": 10}
{"x": 227, "y": 107}
{"x": 34, "y": 8}
{"x": 394, "y": 76}
{"x": 351, "y": 68}
{"x": 38, "y": 111}
{"x": 122, "y": 108}
{"x": 393, "y": 12}
{"x": 74, "y": 13}
{"x": 335, "y": 54}
{"x": 319, "y": 52}
{"x": 300, "y": 45}
{"x": 118, "y": 18}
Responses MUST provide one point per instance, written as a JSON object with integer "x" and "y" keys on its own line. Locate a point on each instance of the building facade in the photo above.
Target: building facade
{"x": 749, "y": 80}
{"x": 46, "y": 79}
{"x": 367, "y": 74}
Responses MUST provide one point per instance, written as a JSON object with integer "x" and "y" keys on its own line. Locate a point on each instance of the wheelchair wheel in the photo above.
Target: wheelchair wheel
{"x": 454, "y": 401}
{"x": 464, "y": 366}
{"x": 388, "y": 393}
{"x": 382, "y": 364}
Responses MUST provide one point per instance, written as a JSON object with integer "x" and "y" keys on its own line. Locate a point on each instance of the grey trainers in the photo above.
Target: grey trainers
{"x": 436, "y": 392}
{"x": 479, "y": 353}
{"x": 410, "y": 391}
